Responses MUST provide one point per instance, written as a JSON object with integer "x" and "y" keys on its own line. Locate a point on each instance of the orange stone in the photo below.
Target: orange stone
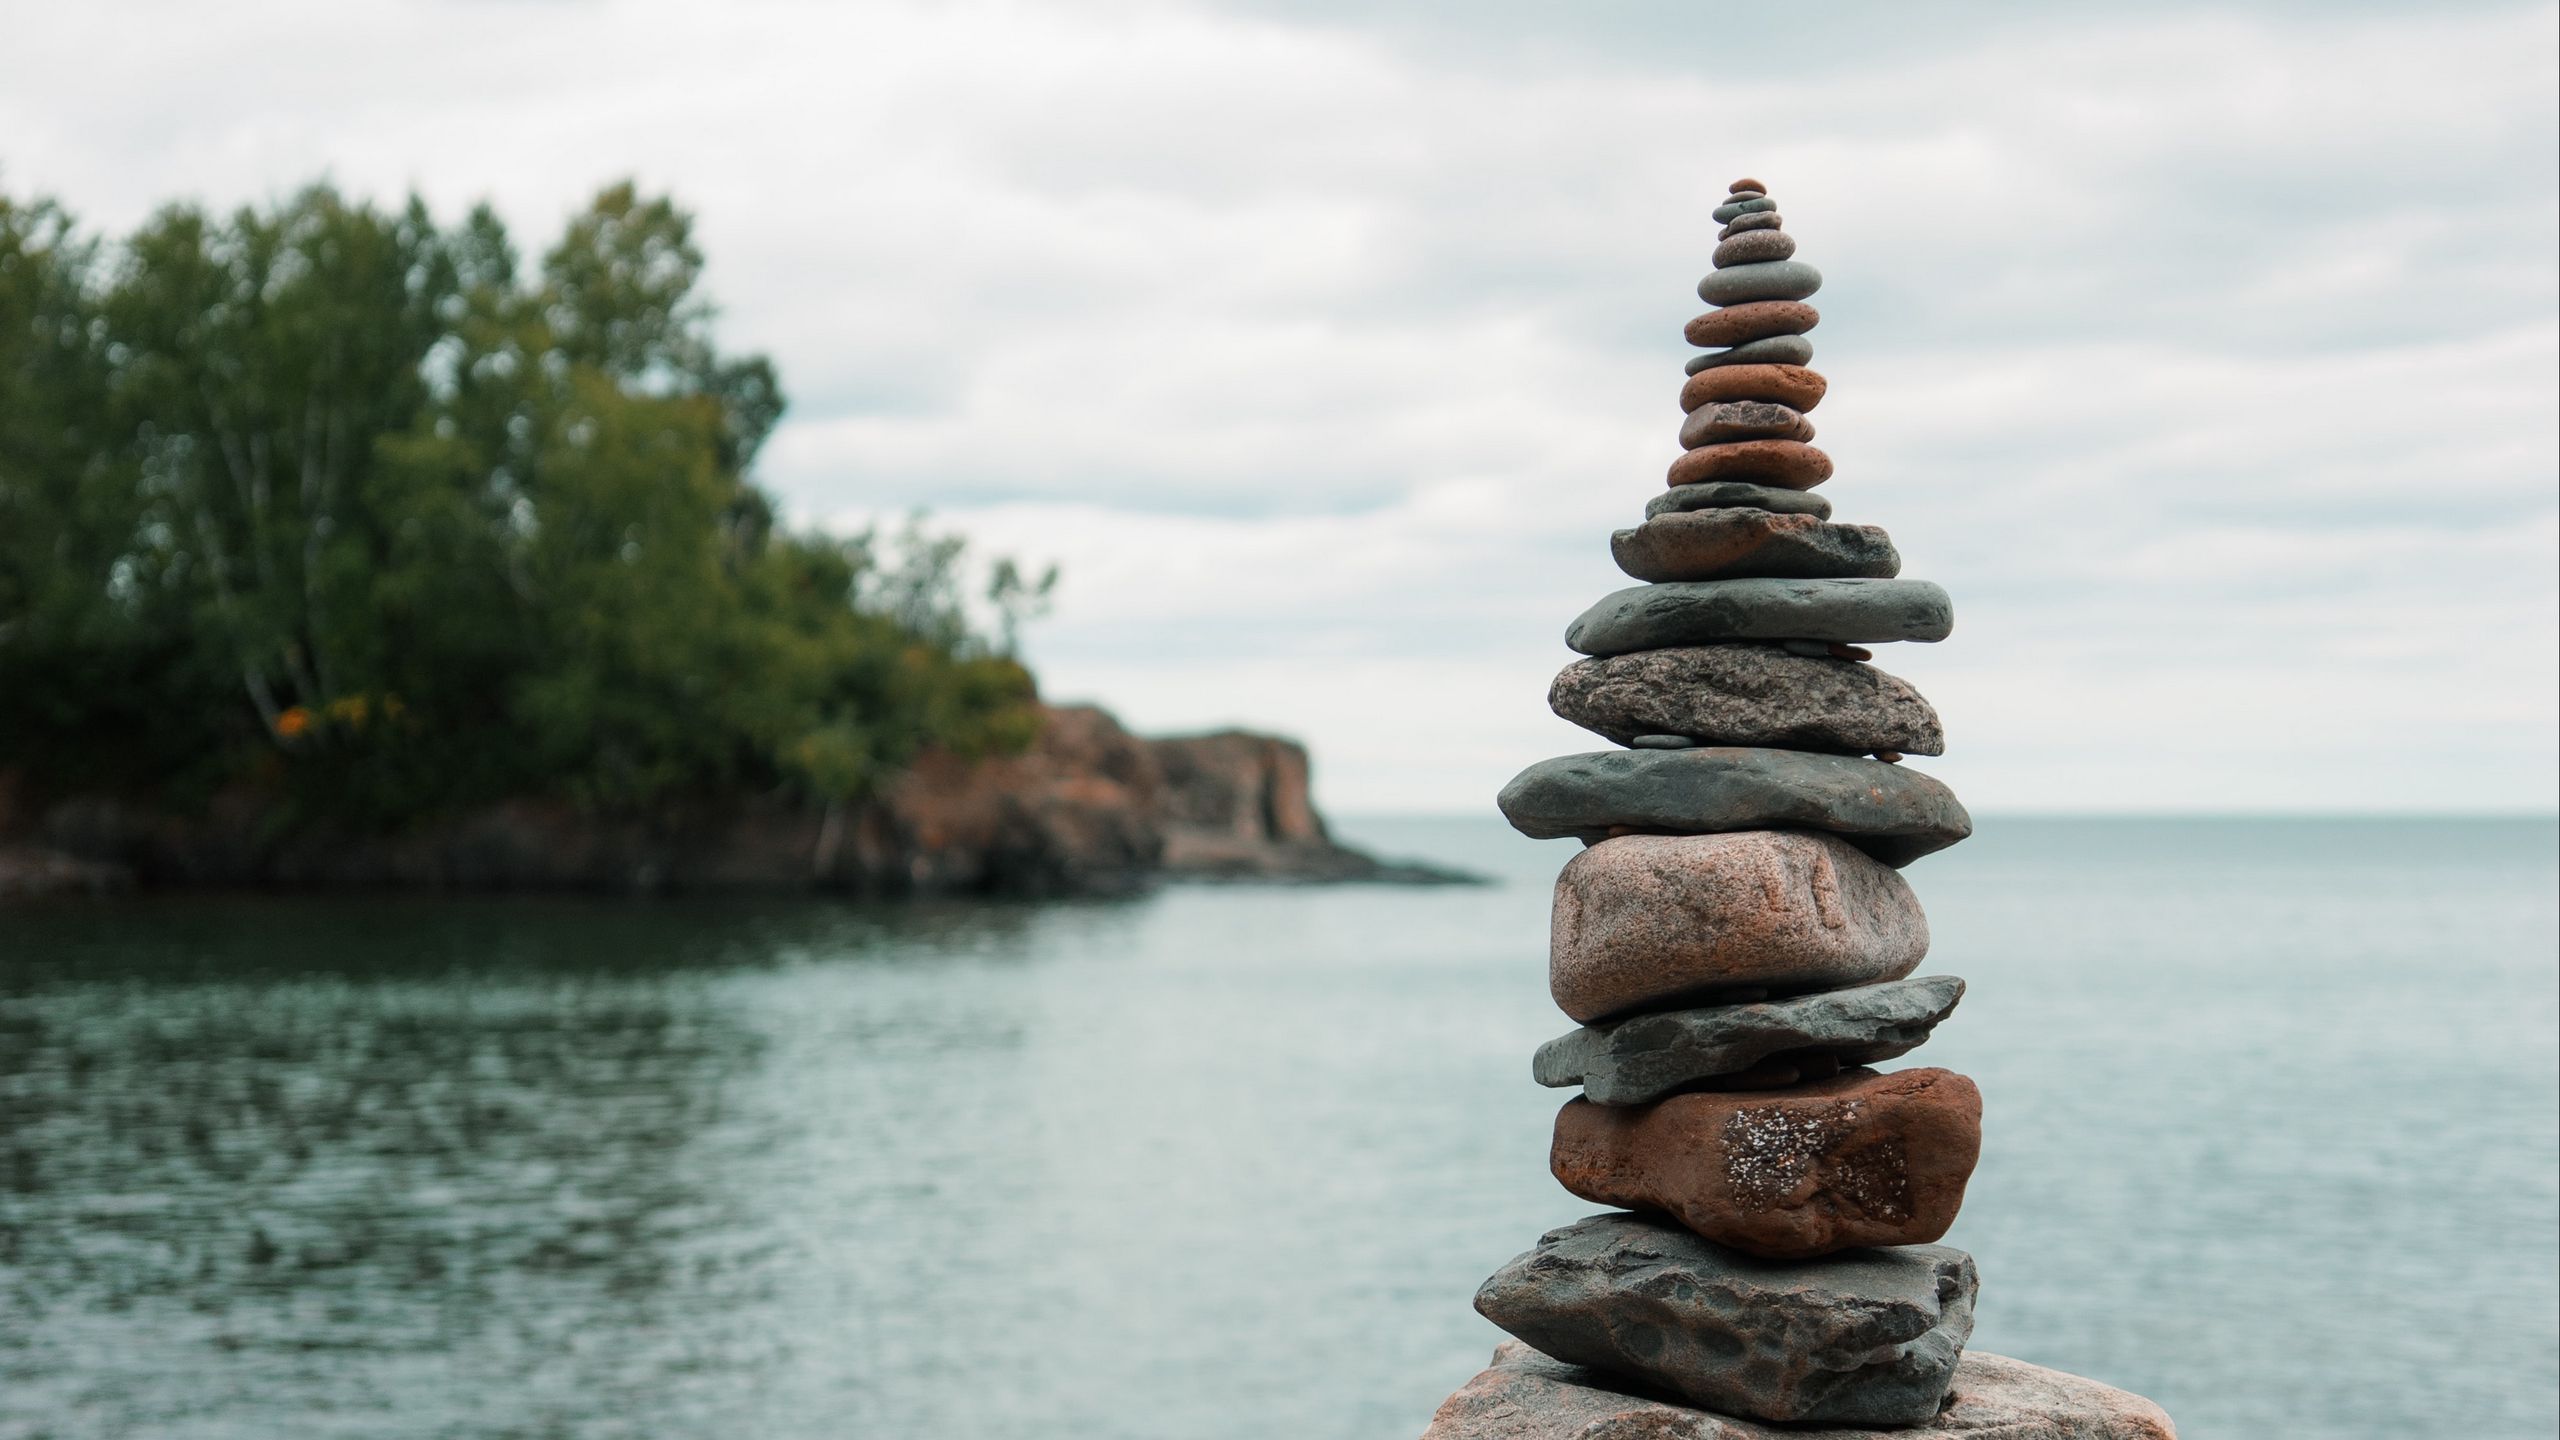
{"x": 1752, "y": 320}
{"x": 1791, "y": 385}
{"x": 1788, "y": 464}
{"x": 1862, "y": 1158}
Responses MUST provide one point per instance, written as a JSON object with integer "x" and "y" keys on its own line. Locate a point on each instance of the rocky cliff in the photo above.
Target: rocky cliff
{"x": 1088, "y": 809}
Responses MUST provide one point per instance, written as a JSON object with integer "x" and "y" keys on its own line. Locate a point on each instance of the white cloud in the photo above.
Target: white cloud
{"x": 2206, "y": 354}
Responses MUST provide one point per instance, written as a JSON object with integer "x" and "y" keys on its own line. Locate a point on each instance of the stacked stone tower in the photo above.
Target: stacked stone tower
{"x": 1738, "y": 946}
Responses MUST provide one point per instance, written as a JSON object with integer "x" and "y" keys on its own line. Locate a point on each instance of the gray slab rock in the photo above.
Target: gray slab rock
{"x": 1748, "y": 694}
{"x": 1767, "y": 280}
{"x": 1762, "y": 1044}
{"x": 1528, "y": 1396}
{"x": 1737, "y": 495}
{"x": 1892, "y": 812}
{"x": 1850, "y": 610}
{"x": 1775, "y": 350}
{"x": 1870, "y": 1337}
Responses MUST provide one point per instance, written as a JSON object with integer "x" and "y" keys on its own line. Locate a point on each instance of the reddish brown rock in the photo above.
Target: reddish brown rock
{"x": 1746, "y": 183}
{"x": 1754, "y": 320}
{"x": 1791, "y": 464}
{"x": 1654, "y": 922}
{"x": 1859, "y": 1159}
{"x": 1529, "y": 1396}
{"x": 1748, "y": 695}
{"x": 1756, "y": 220}
{"x": 1789, "y": 385}
{"x": 1753, "y": 246}
{"x": 1735, "y": 544}
{"x": 1743, "y": 420}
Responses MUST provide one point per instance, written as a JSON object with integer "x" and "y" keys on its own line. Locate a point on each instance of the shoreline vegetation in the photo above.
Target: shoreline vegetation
{"x": 342, "y": 547}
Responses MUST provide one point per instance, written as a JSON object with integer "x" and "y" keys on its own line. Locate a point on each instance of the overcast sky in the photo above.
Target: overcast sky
{"x": 2206, "y": 353}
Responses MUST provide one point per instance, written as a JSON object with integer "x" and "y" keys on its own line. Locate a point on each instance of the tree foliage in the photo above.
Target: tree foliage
{"x": 338, "y": 503}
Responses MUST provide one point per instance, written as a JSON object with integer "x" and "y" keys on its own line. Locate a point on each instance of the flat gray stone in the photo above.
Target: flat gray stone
{"x": 1892, "y": 812}
{"x": 1663, "y": 742}
{"x": 1731, "y": 544}
{"x": 1748, "y": 694}
{"x": 1869, "y": 1337}
{"x": 1740, "y": 206}
{"x": 1755, "y": 1046}
{"x": 1527, "y": 1396}
{"x": 1706, "y": 612}
{"x": 1737, "y": 495}
{"x": 1768, "y": 280}
{"x": 1775, "y": 350}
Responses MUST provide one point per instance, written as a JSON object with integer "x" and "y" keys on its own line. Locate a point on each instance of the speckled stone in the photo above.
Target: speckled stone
{"x": 1741, "y": 324}
{"x": 1791, "y": 385}
{"x": 1768, "y": 280}
{"x": 1528, "y": 1396}
{"x": 1736, "y": 544}
{"x": 1892, "y": 812}
{"x": 1748, "y": 694}
{"x": 1789, "y": 463}
{"x": 1741, "y": 205}
{"x": 1751, "y": 1046}
{"x": 1737, "y": 495}
{"x": 1648, "y": 922}
{"x": 1775, "y": 350}
{"x": 1711, "y": 612}
{"x": 1862, "y": 1158}
{"x": 1868, "y": 1339}
{"x": 1763, "y": 220}
{"x": 1743, "y": 420}
{"x": 1753, "y": 246}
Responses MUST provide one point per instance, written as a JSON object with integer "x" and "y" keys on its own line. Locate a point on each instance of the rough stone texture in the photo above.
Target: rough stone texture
{"x": 1527, "y": 1396}
{"x": 1768, "y": 280}
{"x": 1739, "y": 323}
{"x": 1650, "y": 922}
{"x": 1755, "y": 1046}
{"x": 1761, "y": 220}
{"x": 1787, "y": 384}
{"x": 1866, "y": 1339}
{"x": 1705, "y": 612}
{"x": 1739, "y": 544}
{"x": 1863, "y": 1158}
{"x": 1737, "y": 495}
{"x": 1743, "y": 420}
{"x": 1776, "y": 350}
{"x": 1788, "y": 463}
{"x": 1741, "y": 205}
{"x": 1753, "y": 246}
{"x": 1748, "y": 694}
{"x": 1892, "y": 812}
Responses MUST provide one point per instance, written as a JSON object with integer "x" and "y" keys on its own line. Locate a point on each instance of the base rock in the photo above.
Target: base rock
{"x": 1869, "y": 1338}
{"x": 1528, "y": 1396}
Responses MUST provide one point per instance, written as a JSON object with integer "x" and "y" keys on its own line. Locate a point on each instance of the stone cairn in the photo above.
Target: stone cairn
{"x": 1737, "y": 942}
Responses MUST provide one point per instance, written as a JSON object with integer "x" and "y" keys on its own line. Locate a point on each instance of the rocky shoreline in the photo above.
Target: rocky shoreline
{"x": 1089, "y": 809}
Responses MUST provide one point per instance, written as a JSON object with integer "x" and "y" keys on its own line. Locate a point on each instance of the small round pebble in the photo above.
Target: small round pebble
{"x": 1662, "y": 742}
{"x": 1890, "y": 757}
{"x": 1760, "y": 220}
{"x": 1745, "y": 183}
{"x": 1776, "y": 350}
{"x": 1753, "y": 246}
{"x": 1758, "y": 320}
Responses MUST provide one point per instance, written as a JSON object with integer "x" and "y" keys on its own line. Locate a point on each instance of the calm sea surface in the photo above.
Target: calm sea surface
{"x": 2270, "y": 1137}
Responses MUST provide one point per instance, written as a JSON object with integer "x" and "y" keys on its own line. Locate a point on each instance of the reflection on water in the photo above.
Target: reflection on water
{"x": 2270, "y": 1137}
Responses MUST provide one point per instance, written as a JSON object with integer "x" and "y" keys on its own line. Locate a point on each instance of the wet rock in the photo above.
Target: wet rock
{"x": 1747, "y": 694}
{"x": 1743, "y": 420}
{"x": 1790, "y": 385}
{"x": 1866, "y": 1339}
{"x": 1528, "y": 1396}
{"x": 1862, "y": 1158}
{"x": 1776, "y": 350}
{"x": 1753, "y": 246}
{"x": 1768, "y": 280}
{"x": 1740, "y": 544}
{"x": 1891, "y": 812}
{"x": 1754, "y": 1046}
{"x": 1706, "y": 612}
{"x": 1787, "y": 463}
{"x": 1739, "y": 323}
{"x": 1737, "y": 495}
{"x": 1648, "y": 922}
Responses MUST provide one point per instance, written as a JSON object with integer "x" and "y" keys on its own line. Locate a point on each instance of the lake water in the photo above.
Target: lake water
{"x": 2270, "y": 1137}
